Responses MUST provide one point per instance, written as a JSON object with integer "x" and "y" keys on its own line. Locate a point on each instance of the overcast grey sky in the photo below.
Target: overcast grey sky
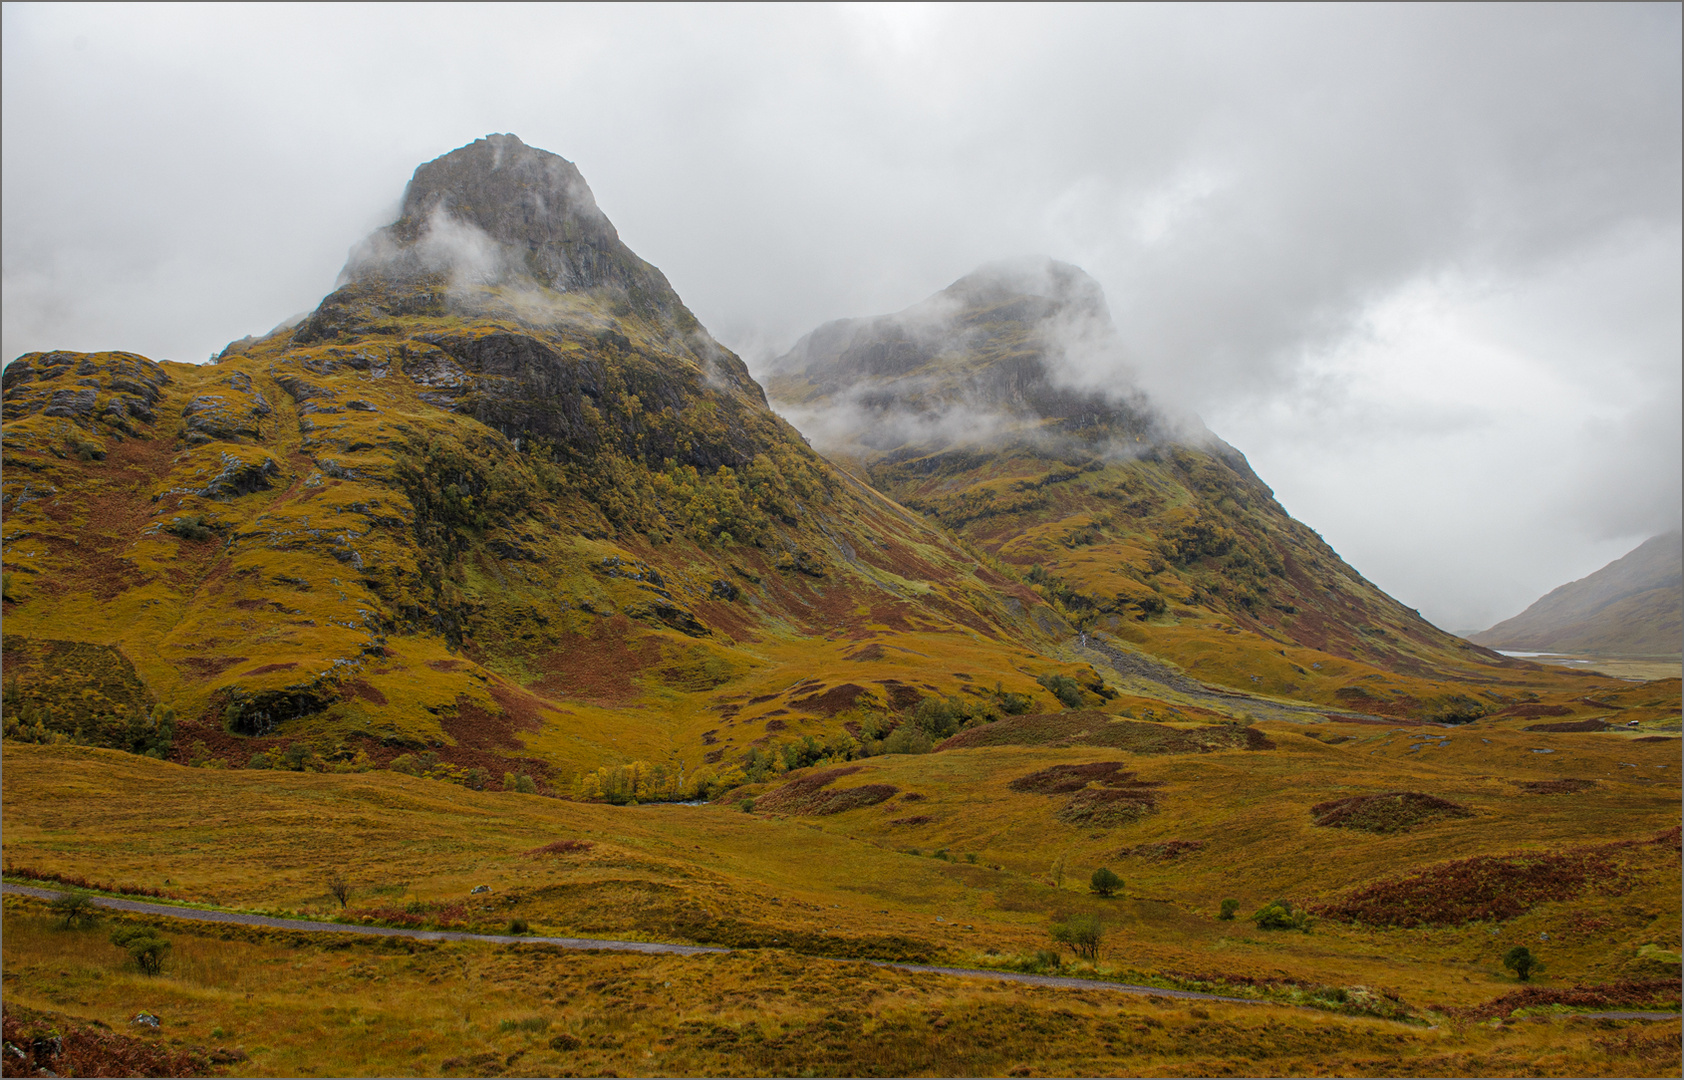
{"x": 1421, "y": 264}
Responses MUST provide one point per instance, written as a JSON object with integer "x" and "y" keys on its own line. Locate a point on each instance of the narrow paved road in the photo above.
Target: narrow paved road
{"x": 194, "y": 914}
{"x": 1062, "y": 982}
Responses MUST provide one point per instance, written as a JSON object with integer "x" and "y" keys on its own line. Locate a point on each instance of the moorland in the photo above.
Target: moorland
{"x": 495, "y": 595}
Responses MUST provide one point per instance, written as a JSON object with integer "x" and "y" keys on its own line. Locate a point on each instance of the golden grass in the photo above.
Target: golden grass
{"x": 304, "y": 1006}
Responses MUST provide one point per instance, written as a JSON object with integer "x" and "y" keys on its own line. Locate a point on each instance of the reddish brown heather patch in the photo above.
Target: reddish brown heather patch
{"x": 776, "y": 725}
{"x": 762, "y": 699}
{"x": 267, "y": 668}
{"x": 919, "y": 819}
{"x": 1101, "y": 793}
{"x": 1570, "y": 725}
{"x": 206, "y": 667}
{"x": 710, "y": 736}
{"x": 1554, "y": 787}
{"x": 562, "y": 847}
{"x": 1531, "y": 711}
{"x": 1163, "y": 850}
{"x": 1630, "y": 995}
{"x": 832, "y": 701}
{"x": 1672, "y": 838}
{"x": 598, "y": 667}
{"x": 1060, "y": 779}
{"x": 869, "y": 654}
{"x": 807, "y": 795}
{"x": 728, "y": 711}
{"x": 912, "y": 796}
{"x": 1483, "y": 887}
{"x": 713, "y": 757}
{"x": 446, "y": 665}
{"x": 76, "y": 881}
{"x": 900, "y": 696}
{"x": 54, "y": 1045}
{"x": 1089, "y": 727}
{"x": 1657, "y": 738}
{"x": 357, "y": 688}
{"x": 1393, "y": 811}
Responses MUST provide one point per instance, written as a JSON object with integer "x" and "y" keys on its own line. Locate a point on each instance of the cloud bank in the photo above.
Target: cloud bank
{"x": 1419, "y": 263}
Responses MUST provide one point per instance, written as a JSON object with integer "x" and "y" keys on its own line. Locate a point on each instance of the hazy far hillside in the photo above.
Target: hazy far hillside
{"x": 1634, "y": 606}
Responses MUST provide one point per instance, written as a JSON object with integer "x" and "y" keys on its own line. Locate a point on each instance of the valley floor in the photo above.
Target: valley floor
{"x": 978, "y": 880}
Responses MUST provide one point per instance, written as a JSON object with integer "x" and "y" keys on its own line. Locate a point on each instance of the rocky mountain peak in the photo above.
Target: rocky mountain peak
{"x": 498, "y": 211}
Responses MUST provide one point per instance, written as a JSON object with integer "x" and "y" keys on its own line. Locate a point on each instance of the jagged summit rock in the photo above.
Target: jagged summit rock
{"x": 1006, "y": 353}
{"x": 498, "y": 226}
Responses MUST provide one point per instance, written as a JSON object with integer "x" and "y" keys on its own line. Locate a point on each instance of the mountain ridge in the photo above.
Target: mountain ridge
{"x": 1632, "y": 607}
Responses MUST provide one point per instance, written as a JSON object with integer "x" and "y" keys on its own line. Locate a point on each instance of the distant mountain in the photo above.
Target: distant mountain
{"x": 977, "y": 406}
{"x": 1632, "y": 607}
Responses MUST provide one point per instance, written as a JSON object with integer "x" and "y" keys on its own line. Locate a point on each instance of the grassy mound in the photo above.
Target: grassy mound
{"x": 1089, "y": 727}
{"x": 808, "y": 795}
{"x": 1101, "y": 793}
{"x": 1571, "y": 725}
{"x": 1483, "y": 887}
{"x": 1163, "y": 850}
{"x": 1634, "y": 994}
{"x": 1566, "y": 786}
{"x": 1395, "y": 811}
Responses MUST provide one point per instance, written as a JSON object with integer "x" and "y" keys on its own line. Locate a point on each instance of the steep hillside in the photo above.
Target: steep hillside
{"x": 502, "y": 467}
{"x": 967, "y": 407}
{"x": 1633, "y": 607}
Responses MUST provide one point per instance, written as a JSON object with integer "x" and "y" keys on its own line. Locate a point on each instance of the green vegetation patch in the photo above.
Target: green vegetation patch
{"x": 1089, "y": 727}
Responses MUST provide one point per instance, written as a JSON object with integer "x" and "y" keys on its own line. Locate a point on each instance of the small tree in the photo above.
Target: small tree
{"x": 524, "y": 785}
{"x": 74, "y": 908}
{"x": 1229, "y": 907}
{"x": 476, "y": 778}
{"x": 1082, "y": 933}
{"x": 1281, "y": 915}
{"x": 1520, "y": 961}
{"x": 145, "y": 947}
{"x": 339, "y": 889}
{"x": 1104, "y": 882}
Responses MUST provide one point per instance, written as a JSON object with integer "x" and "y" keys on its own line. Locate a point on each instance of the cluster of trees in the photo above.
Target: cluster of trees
{"x": 142, "y": 731}
{"x": 642, "y": 782}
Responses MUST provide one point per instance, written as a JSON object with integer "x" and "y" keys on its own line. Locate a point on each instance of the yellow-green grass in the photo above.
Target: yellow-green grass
{"x": 851, "y": 884}
{"x": 301, "y": 1005}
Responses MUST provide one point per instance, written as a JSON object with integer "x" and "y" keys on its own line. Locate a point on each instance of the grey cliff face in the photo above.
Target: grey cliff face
{"x": 498, "y": 211}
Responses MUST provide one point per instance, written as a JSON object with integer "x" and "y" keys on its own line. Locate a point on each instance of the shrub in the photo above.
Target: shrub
{"x": 189, "y": 527}
{"x": 1520, "y": 961}
{"x": 1082, "y": 933}
{"x": 1229, "y": 907}
{"x": 518, "y": 926}
{"x": 746, "y": 805}
{"x": 339, "y": 889}
{"x": 564, "y": 1042}
{"x": 259, "y": 760}
{"x": 524, "y": 785}
{"x": 296, "y": 756}
{"x": 907, "y": 739}
{"x": 1104, "y": 882}
{"x": 74, "y": 908}
{"x": 1281, "y": 915}
{"x": 406, "y": 764}
{"x": 1067, "y": 690}
{"x": 145, "y": 947}
{"x": 475, "y": 779}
